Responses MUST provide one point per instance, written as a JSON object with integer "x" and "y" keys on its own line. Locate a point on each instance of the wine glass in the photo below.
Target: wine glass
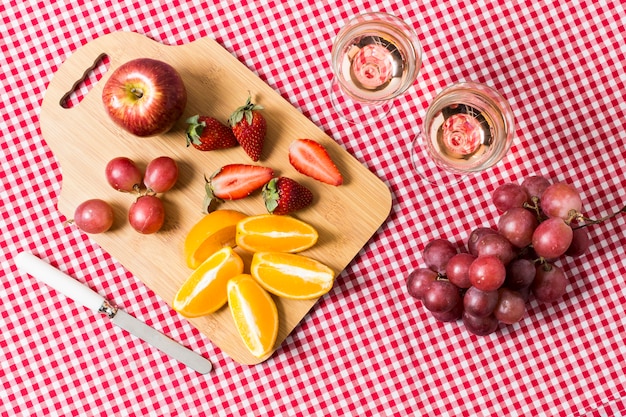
{"x": 468, "y": 128}
{"x": 376, "y": 57}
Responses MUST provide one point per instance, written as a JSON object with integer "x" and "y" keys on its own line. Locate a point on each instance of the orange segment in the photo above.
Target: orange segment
{"x": 291, "y": 275}
{"x": 213, "y": 232}
{"x": 205, "y": 290}
{"x": 274, "y": 233}
{"x": 254, "y": 313}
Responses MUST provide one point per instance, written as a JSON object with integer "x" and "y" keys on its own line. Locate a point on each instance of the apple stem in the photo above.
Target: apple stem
{"x": 138, "y": 92}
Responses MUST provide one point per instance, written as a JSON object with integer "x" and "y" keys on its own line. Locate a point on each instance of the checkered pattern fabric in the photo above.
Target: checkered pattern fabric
{"x": 366, "y": 348}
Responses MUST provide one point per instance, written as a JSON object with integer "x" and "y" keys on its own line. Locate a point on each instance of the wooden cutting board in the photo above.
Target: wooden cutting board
{"x": 84, "y": 139}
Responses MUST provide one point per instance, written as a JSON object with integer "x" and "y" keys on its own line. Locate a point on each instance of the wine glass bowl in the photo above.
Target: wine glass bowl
{"x": 375, "y": 58}
{"x": 468, "y": 128}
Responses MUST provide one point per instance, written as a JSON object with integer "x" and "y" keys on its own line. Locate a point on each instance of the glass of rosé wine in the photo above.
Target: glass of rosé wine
{"x": 376, "y": 57}
{"x": 468, "y": 128}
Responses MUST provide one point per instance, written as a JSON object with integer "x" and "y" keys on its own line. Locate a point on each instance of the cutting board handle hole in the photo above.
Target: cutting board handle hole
{"x": 82, "y": 86}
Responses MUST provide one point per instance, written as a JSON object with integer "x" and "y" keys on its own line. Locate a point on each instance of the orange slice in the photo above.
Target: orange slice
{"x": 205, "y": 290}
{"x": 291, "y": 275}
{"x": 274, "y": 233}
{"x": 213, "y": 232}
{"x": 254, "y": 313}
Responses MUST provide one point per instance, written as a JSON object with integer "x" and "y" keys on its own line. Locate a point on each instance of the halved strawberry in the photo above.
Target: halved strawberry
{"x": 310, "y": 158}
{"x": 206, "y": 133}
{"x": 233, "y": 182}
{"x": 284, "y": 195}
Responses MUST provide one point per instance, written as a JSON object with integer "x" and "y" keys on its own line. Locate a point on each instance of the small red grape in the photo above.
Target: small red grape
{"x": 509, "y": 195}
{"x": 451, "y": 315}
{"x": 437, "y": 253}
{"x": 580, "y": 242}
{"x": 161, "y": 174}
{"x": 457, "y": 270}
{"x": 511, "y": 306}
{"x": 517, "y": 225}
{"x": 520, "y": 273}
{"x": 480, "y": 303}
{"x": 496, "y": 245}
{"x": 559, "y": 199}
{"x": 441, "y": 296}
{"x": 147, "y": 214}
{"x": 550, "y": 283}
{"x": 123, "y": 174}
{"x": 418, "y": 281}
{"x": 487, "y": 273}
{"x": 535, "y": 185}
{"x": 93, "y": 216}
{"x": 552, "y": 238}
{"x": 475, "y": 236}
{"x": 480, "y": 326}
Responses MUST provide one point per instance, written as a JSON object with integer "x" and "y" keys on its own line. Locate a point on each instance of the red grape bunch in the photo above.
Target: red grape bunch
{"x": 146, "y": 214}
{"x": 492, "y": 281}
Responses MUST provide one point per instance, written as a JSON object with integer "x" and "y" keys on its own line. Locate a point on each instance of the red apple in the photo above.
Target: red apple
{"x": 145, "y": 96}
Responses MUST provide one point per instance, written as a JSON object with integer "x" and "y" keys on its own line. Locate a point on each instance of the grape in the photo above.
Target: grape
{"x": 580, "y": 242}
{"x": 437, "y": 253}
{"x": 418, "y": 281}
{"x": 451, "y": 315}
{"x": 487, "y": 273}
{"x": 496, "y": 245}
{"x": 517, "y": 225}
{"x": 475, "y": 237}
{"x": 93, "y": 216}
{"x": 524, "y": 292}
{"x": 550, "y": 283}
{"x": 480, "y": 326}
{"x": 480, "y": 303}
{"x": 493, "y": 281}
{"x": 441, "y": 296}
{"x": 535, "y": 185}
{"x": 520, "y": 273}
{"x": 509, "y": 195}
{"x": 123, "y": 174}
{"x": 161, "y": 174}
{"x": 147, "y": 214}
{"x": 559, "y": 199}
{"x": 552, "y": 238}
{"x": 511, "y": 306}
{"x": 457, "y": 269}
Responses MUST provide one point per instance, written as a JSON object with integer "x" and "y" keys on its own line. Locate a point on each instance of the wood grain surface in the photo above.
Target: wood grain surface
{"x": 84, "y": 139}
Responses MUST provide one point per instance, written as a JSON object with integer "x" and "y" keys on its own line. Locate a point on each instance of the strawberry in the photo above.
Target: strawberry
{"x": 208, "y": 134}
{"x": 310, "y": 158}
{"x": 233, "y": 182}
{"x": 249, "y": 127}
{"x": 283, "y": 195}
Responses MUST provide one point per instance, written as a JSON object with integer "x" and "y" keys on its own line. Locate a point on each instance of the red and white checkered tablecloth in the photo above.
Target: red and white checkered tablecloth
{"x": 366, "y": 348}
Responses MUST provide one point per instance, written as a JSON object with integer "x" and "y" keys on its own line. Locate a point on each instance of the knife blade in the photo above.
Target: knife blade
{"x": 88, "y": 298}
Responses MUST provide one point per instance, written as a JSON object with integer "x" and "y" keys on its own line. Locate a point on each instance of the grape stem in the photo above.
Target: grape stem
{"x": 547, "y": 266}
{"x": 589, "y": 221}
{"x": 534, "y": 207}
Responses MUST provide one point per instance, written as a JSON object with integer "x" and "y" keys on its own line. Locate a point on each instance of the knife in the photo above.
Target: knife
{"x": 90, "y": 299}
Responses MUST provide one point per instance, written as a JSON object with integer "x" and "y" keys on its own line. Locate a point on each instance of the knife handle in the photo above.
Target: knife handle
{"x": 60, "y": 281}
